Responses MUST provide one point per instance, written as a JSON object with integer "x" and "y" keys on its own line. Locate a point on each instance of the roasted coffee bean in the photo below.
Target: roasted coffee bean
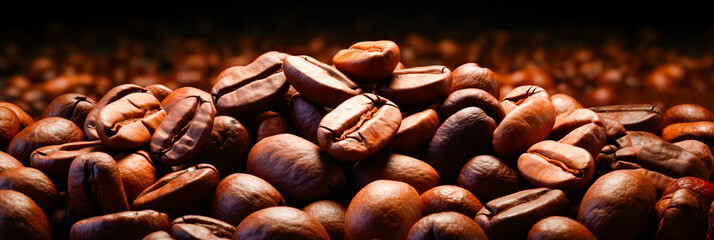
{"x": 331, "y": 215}
{"x": 638, "y": 117}
{"x": 158, "y": 235}
{"x": 359, "y": 127}
{"x": 699, "y": 149}
{"x": 383, "y": 209}
{"x": 618, "y": 205}
{"x": 8, "y": 162}
{"x": 21, "y": 218}
{"x": 613, "y": 130}
{"x": 194, "y": 186}
{"x": 472, "y": 97}
{"x": 94, "y": 186}
{"x": 251, "y": 89}
{"x": 702, "y": 131}
{"x": 319, "y": 82}
{"x": 464, "y": 134}
{"x": 201, "y": 227}
{"x": 559, "y": 228}
{"x": 552, "y": 164}
{"x": 397, "y": 167}
{"x": 279, "y": 55}
{"x": 703, "y": 188}
{"x": 228, "y": 147}
{"x": 418, "y": 87}
{"x": 129, "y": 121}
{"x": 680, "y": 216}
{"x": 121, "y": 225}
{"x": 305, "y": 116}
{"x": 488, "y": 178}
{"x": 471, "y": 75}
{"x": 446, "y": 225}
{"x": 137, "y": 172}
{"x": 280, "y": 223}
{"x": 567, "y": 122}
{"x": 240, "y": 194}
{"x": 90, "y": 124}
{"x": 72, "y": 106}
{"x": 186, "y": 127}
{"x": 529, "y": 120}
{"x": 368, "y": 61}
{"x": 659, "y": 180}
{"x": 45, "y": 132}
{"x": 511, "y": 216}
{"x": 270, "y": 123}
{"x": 299, "y": 169}
{"x": 446, "y": 198}
{"x": 683, "y": 113}
{"x": 655, "y": 154}
{"x": 564, "y": 103}
{"x": 55, "y": 160}
{"x": 25, "y": 119}
{"x": 32, "y": 183}
{"x": 159, "y": 91}
{"x": 414, "y": 133}
{"x": 9, "y": 126}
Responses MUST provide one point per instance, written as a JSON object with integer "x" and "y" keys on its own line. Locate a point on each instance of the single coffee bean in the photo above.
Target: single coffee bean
{"x": 471, "y": 75}
{"x": 446, "y": 225}
{"x": 418, "y": 87}
{"x": 137, "y": 172}
{"x": 626, "y": 197}
{"x": 201, "y": 227}
{"x": 94, "y": 186}
{"x": 384, "y": 209}
{"x": 90, "y": 123}
{"x": 511, "y": 216}
{"x": 567, "y": 122}
{"x": 270, "y": 123}
{"x": 158, "y": 235}
{"x": 638, "y": 117}
{"x": 564, "y": 103}
{"x": 305, "y": 116}
{"x": 72, "y": 106}
{"x": 8, "y": 162}
{"x": 55, "y": 160}
{"x": 194, "y": 186}
{"x": 702, "y": 131}
{"x": 653, "y": 153}
{"x": 530, "y": 120}
{"x": 319, "y": 82}
{"x": 331, "y": 215}
{"x": 488, "y": 178}
{"x": 446, "y": 198}
{"x": 251, "y": 89}
{"x": 703, "y": 188}
{"x": 129, "y": 121}
{"x": 21, "y": 218}
{"x": 613, "y": 130}
{"x": 472, "y": 97}
{"x": 159, "y": 91}
{"x": 45, "y": 132}
{"x": 680, "y": 216}
{"x": 397, "y": 167}
{"x": 240, "y": 194}
{"x": 280, "y": 223}
{"x": 279, "y": 55}
{"x": 359, "y": 127}
{"x": 683, "y": 113}
{"x": 34, "y": 184}
{"x": 9, "y": 126}
{"x": 559, "y": 228}
{"x": 368, "y": 61}
{"x": 228, "y": 146}
{"x": 552, "y": 164}
{"x": 414, "y": 133}
{"x": 25, "y": 119}
{"x": 297, "y": 168}
{"x": 700, "y": 150}
{"x": 121, "y": 225}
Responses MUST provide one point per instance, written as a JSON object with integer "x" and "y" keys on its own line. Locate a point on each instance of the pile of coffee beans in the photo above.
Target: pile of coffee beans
{"x": 290, "y": 147}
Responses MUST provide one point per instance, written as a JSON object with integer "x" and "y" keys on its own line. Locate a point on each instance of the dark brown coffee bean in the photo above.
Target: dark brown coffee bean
{"x": 305, "y": 116}
{"x": 32, "y": 183}
{"x": 446, "y": 198}
{"x": 21, "y": 218}
{"x": 331, "y": 215}
{"x": 397, "y": 167}
{"x": 8, "y": 162}
{"x": 55, "y": 160}
{"x": 464, "y": 134}
{"x": 488, "y": 178}
{"x": 121, "y": 225}
{"x": 9, "y": 126}
{"x": 613, "y": 129}
{"x": 94, "y": 186}
{"x": 383, "y": 209}
{"x": 240, "y": 194}
{"x": 683, "y": 113}
{"x": 655, "y": 154}
{"x": 472, "y": 97}
{"x": 511, "y": 216}
{"x": 368, "y": 61}
{"x": 45, "y": 132}
{"x": 280, "y": 223}
{"x": 194, "y": 186}
{"x": 299, "y": 169}
{"x": 699, "y": 149}
{"x": 319, "y": 82}
{"x": 129, "y": 121}
{"x": 159, "y": 91}
{"x": 251, "y": 89}
{"x": 529, "y": 121}
{"x": 414, "y": 134}
{"x": 659, "y": 180}
{"x": 703, "y": 188}
{"x": 201, "y": 227}
{"x": 228, "y": 147}
{"x": 618, "y": 205}
{"x": 90, "y": 124}
{"x": 639, "y": 117}
{"x": 25, "y": 119}
{"x": 446, "y": 225}
{"x": 559, "y": 228}
{"x": 418, "y": 87}
{"x": 471, "y": 75}
{"x": 72, "y": 106}
{"x": 552, "y": 164}
{"x": 702, "y": 131}
{"x": 359, "y": 127}
{"x": 137, "y": 172}
{"x": 680, "y": 216}
{"x": 270, "y": 123}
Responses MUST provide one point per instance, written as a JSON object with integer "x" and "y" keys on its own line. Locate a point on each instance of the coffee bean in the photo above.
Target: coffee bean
{"x": 368, "y": 61}
{"x": 251, "y": 89}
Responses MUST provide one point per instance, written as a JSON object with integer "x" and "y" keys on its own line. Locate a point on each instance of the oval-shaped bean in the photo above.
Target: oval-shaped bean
{"x": 417, "y": 87}
{"x": 240, "y": 194}
{"x": 368, "y": 61}
{"x": 319, "y": 82}
{"x": 280, "y": 223}
{"x": 384, "y": 209}
{"x": 251, "y": 89}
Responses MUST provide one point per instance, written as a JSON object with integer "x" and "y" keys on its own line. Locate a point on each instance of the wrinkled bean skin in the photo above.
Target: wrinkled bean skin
{"x": 638, "y": 117}
{"x": 55, "y": 160}
{"x": 72, "y": 106}
{"x": 21, "y": 218}
{"x": 331, "y": 215}
{"x": 240, "y": 194}
{"x": 319, "y": 82}
{"x": 383, "y": 209}
{"x": 414, "y": 133}
{"x": 618, "y": 205}
{"x": 121, "y": 225}
{"x": 90, "y": 123}
{"x": 280, "y": 223}
{"x": 34, "y": 184}
{"x": 397, "y": 167}
{"x": 368, "y": 61}
{"x": 699, "y": 149}
{"x": 94, "y": 186}
{"x": 359, "y": 127}
{"x": 446, "y": 198}
{"x": 680, "y": 215}
{"x": 9, "y": 126}
{"x": 559, "y": 228}
{"x": 702, "y": 131}
{"x": 45, "y": 132}
{"x": 683, "y": 113}
{"x": 446, "y": 225}
{"x": 200, "y": 227}
{"x": 418, "y": 87}
{"x": 555, "y": 165}
{"x": 471, "y": 75}
{"x": 129, "y": 121}
{"x": 488, "y": 178}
